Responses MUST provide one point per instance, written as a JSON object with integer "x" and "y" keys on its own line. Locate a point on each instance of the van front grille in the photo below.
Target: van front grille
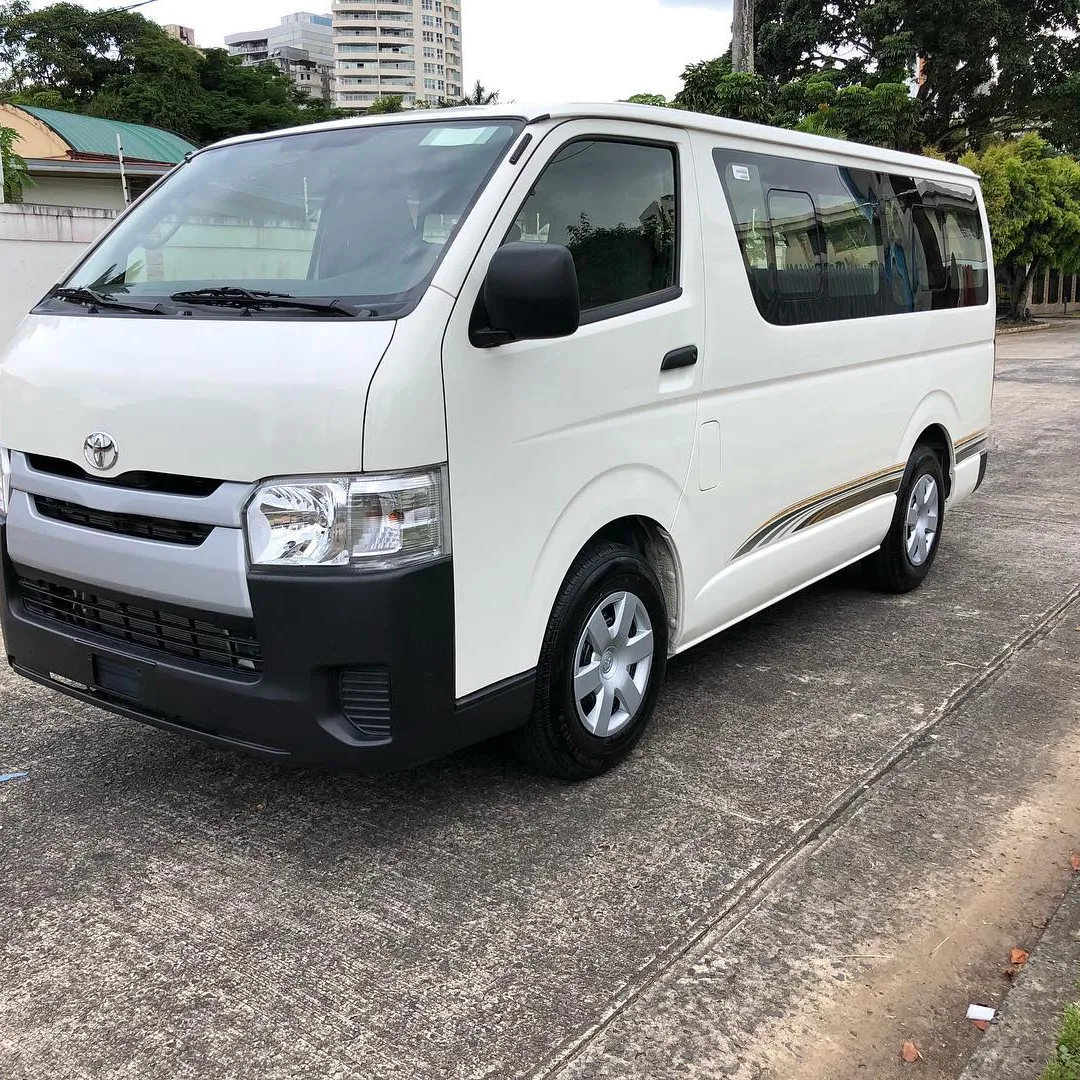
{"x": 135, "y": 525}
{"x": 196, "y": 487}
{"x": 203, "y": 637}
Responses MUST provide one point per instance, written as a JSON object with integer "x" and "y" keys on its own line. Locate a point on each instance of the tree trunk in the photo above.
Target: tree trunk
{"x": 742, "y": 36}
{"x": 1021, "y": 290}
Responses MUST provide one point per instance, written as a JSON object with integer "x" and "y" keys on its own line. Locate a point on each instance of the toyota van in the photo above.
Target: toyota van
{"x": 355, "y": 444}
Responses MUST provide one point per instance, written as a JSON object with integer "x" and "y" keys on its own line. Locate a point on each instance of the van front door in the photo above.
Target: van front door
{"x": 552, "y": 440}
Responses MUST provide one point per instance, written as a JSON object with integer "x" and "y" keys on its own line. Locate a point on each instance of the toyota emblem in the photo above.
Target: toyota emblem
{"x": 101, "y": 451}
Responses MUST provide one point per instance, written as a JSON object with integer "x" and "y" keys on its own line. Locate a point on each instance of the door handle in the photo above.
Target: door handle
{"x": 677, "y": 358}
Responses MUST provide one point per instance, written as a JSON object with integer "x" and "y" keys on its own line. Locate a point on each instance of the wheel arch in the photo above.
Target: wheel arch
{"x": 650, "y": 539}
{"x": 937, "y": 439}
{"x": 637, "y": 503}
{"x": 934, "y": 423}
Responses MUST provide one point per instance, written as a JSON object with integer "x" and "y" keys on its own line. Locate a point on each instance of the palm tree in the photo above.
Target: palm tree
{"x": 480, "y": 95}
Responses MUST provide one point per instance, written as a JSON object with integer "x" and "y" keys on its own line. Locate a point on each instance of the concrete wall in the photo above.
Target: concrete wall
{"x": 48, "y": 190}
{"x": 37, "y": 245}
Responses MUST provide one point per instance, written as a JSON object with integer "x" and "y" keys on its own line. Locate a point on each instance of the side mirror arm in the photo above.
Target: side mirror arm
{"x": 482, "y": 335}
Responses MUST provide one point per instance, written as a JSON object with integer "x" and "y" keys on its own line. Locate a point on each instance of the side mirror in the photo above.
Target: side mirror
{"x": 531, "y": 291}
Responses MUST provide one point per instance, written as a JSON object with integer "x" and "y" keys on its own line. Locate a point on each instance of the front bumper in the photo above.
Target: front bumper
{"x": 391, "y": 633}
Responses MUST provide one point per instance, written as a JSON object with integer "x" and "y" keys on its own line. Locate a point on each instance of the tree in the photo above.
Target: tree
{"x": 985, "y": 65}
{"x": 42, "y": 99}
{"x": 743, "y": 96}
{"x": 649, "y": 99}
{"x": 479, "y": 95}
{"x": 66, "y": 48}
{"x": 1033, "y": 204}
{"x": 700, "y": 81}
{"x": 388, "y": 103}
{"x": 121, "y": 66}
{"x": 12, "y": 167}
{"x": 982, "y": 68}
{"x": 797, "y": 38}
{"x": 1062, "y": 109}
{"x": 742, "y": 36}
{"x": 884, "y": 115}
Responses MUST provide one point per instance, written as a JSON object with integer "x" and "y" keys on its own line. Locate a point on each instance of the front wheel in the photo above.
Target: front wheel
{"x": 601, "y": 666}
{"x": 911, "y": 544}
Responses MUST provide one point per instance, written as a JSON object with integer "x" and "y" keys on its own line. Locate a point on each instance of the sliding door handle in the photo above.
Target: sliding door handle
{"x": 677, "y": 358}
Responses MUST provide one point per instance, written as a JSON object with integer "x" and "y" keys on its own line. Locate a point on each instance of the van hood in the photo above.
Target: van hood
{"x": 229, "y": 399}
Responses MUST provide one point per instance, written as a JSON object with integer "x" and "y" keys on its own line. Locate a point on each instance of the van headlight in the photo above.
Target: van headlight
{"x": 377, "y": 521}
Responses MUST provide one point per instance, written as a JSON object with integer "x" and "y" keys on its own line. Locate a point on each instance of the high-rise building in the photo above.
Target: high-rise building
{"x": 302, "y": 45}
{"x": 411, "y": 48}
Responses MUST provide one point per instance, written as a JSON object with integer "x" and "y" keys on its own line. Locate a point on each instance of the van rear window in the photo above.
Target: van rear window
{"x": 824, "y": 243}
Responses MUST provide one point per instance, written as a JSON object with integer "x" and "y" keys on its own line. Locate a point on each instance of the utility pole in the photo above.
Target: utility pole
{"x": 742, "y": 37}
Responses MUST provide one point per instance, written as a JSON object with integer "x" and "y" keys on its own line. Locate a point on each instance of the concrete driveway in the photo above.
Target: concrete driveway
{"x": 819, "y": 795}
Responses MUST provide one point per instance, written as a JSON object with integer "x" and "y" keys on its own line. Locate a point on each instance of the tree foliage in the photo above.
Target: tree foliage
{"x": 649, "y": 99}
{"x": 122, "y": 66}
{"x": 822, "y": 103}
{"x": 12, "y": 166}
{"x": 1033, "y": 205}
{"x": 981, "y": 68}
{"x": 700, "y": 82}
{"x": 479, "y": 95}
{"x": 388, "y": 103}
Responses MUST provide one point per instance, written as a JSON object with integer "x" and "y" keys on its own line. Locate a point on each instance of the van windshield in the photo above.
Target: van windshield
{"x": 358, "y": 214}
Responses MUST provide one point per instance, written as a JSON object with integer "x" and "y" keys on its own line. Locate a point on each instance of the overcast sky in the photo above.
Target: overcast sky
{"x": 585, "y": 50}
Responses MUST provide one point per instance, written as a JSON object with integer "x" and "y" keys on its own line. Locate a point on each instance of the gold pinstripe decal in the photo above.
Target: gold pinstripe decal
{"x": 971, "y": 446}
{"x": 981, "y": 434}
{"x": 824, "y": 505}
{"x": 840, "y": 489}
{"x": 837, "y": 500}
{"x": 849, "y": 502}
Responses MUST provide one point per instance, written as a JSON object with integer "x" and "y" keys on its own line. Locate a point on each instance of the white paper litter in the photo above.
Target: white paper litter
{"x": 980, "y": 1012}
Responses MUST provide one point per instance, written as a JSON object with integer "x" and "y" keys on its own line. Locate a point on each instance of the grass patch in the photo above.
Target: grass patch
{"x": 1065, "y": 1065}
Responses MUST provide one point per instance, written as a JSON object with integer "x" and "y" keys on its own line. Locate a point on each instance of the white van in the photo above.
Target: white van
{"x": 359, "y": 443}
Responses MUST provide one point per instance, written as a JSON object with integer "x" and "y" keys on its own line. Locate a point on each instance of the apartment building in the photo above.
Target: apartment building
{"x": 406, "y": 47}
{"x": 302, "y": 45}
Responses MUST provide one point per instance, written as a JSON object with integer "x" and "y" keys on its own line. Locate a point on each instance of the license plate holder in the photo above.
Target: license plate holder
{"x": 119, "y": 678}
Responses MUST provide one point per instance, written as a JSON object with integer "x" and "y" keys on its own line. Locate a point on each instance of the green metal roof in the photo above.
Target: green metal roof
{"x": 92, "y": 135}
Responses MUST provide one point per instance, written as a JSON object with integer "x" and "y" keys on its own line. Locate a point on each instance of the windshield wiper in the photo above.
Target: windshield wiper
{"x": 94, "y": 300}
{"x": 233, "y": 296}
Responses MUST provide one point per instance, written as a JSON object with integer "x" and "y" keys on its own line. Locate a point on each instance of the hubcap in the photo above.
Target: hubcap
{"x": 921, "y": 526}
{"x": 612, "y": 664}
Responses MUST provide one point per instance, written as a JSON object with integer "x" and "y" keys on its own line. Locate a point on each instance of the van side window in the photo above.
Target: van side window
{"x": 886, "y": 244}
{"x": 967, "y": 254}
{"x": 615, "y": 206}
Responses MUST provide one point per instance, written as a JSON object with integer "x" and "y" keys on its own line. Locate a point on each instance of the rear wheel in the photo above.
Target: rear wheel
{"x": 601, "y": 666}
{"x": 909, "y": 548}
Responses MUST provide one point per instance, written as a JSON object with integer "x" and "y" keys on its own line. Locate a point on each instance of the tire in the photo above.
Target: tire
{"x": 576, "y": 738}
{"x": 903, "y": 560}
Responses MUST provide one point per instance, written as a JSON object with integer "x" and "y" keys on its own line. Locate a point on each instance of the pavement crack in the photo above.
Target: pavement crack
{"x": 738, "y": 903}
